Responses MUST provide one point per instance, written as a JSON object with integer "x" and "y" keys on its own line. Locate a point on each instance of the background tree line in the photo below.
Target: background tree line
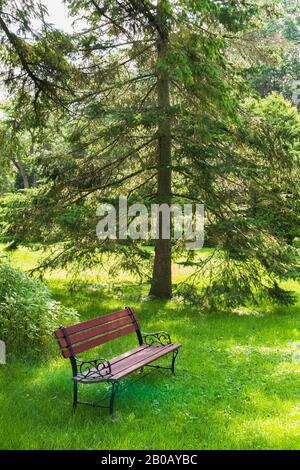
{"x": 167, "y": 101}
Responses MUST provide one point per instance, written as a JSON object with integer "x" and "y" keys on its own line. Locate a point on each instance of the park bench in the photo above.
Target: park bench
{"x": 84, "y": 336}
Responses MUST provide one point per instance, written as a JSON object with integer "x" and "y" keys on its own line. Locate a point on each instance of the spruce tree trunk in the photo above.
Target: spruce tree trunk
{"x": 161, "y": 284}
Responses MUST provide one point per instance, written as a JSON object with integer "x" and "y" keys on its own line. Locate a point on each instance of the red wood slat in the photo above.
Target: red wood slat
{"x": 100, "y": 340}
{"x": 123, "y": 356}
{"x": 131, "y": 313}
{"x": 127, "y": 354}
{"x": 93, "y": 322}
{"x": 87, "y": 334}
{"x": 146, "y": 360}
{"x": 142, "y": 357}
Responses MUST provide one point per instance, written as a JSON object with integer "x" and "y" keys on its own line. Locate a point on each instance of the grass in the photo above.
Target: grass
{"x": 237, "y": 384}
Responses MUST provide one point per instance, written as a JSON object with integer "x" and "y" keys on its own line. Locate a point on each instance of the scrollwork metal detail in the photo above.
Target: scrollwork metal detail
{"x": 160, "y": 338}
{"x": 94, "y": 368}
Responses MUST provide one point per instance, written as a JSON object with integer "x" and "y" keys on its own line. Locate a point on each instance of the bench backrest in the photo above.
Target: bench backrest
{"x": 86, "y": 335}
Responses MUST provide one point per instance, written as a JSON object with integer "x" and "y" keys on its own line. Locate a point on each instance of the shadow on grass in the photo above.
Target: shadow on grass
{"x": 236, "y": 387}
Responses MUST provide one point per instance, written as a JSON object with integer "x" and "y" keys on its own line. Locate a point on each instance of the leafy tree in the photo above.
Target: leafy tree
{"x": 252, "y": 194}
{"x": 283, "y": 70}
{"x": 148, "y": 95}
{"x": 18, "y": 143}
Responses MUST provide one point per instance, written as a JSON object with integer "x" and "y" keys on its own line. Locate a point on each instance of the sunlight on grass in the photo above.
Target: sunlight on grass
{"x": 237, "y": 383}
{"x": 28, "y": 259}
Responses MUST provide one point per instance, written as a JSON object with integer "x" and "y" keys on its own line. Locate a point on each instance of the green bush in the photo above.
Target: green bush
{"x": 28, "y": 314}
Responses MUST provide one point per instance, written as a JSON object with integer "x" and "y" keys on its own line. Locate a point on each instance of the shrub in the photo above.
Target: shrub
{"x": 28, "y": 314}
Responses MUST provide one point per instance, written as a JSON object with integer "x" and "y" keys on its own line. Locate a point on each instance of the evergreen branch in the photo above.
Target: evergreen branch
{"x": 118, "y": 161}
{"x": 102, "y": 47}
{"x": 16, "y": 43}
{"x": 102, "y": 12}
{"x": 141, "y": 7}
{"x": 141, "y": 185}
{"x": 110, "y": 184}
{"x": 112, "y": 87}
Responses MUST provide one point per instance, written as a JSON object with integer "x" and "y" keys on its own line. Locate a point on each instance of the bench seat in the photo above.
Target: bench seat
{"x": 128, "y": 362}
{"x": 89, "y": 334}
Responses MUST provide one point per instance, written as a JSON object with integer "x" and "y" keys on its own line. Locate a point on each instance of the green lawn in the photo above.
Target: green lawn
{"x": 237, "y": 384}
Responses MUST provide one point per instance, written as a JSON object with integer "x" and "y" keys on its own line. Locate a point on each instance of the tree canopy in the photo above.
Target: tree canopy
{"x": 166, "y": 101}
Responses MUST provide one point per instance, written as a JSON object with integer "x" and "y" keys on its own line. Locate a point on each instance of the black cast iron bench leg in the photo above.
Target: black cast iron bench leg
{"x": 114, "y": 389}
{"x": 75, "y": 395}
{"x": 174, "y": 355}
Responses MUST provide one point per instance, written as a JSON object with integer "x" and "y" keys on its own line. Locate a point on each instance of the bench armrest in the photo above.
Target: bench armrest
{"x": 159, "y": 338}
{"x": 100, "y": 366}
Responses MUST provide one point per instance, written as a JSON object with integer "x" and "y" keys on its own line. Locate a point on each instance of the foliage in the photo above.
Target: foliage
{"x": 28, "y": 314}
{"x": 235, "y": 153}
{"x": 252, "y": 206}
{"x": 283, "y": 70}
{"x": 236, "y": 384}
{"x": 252, "y": 200}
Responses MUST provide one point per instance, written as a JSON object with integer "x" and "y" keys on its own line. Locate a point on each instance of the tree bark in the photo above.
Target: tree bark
{"x": 34, "y": 180}
{"x": 19, "y": 165}
{"x": 161, "y": 284}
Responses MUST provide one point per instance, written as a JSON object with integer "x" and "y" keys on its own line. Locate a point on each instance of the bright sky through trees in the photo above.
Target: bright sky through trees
{"x": 58, "y": 14}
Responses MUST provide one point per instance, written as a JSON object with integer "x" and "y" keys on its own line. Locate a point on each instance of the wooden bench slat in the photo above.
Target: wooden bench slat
{"x": 119, "y": 358}
{"x": 100, "y": 340}
{"x": 128, "y": 353}
{"x": 147, "y": 360}
{"x": 93, "y": 322}
{"x": 141, "y": 355}
{"x": 131, "y": 361}
{"x": 96, "y": 331}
